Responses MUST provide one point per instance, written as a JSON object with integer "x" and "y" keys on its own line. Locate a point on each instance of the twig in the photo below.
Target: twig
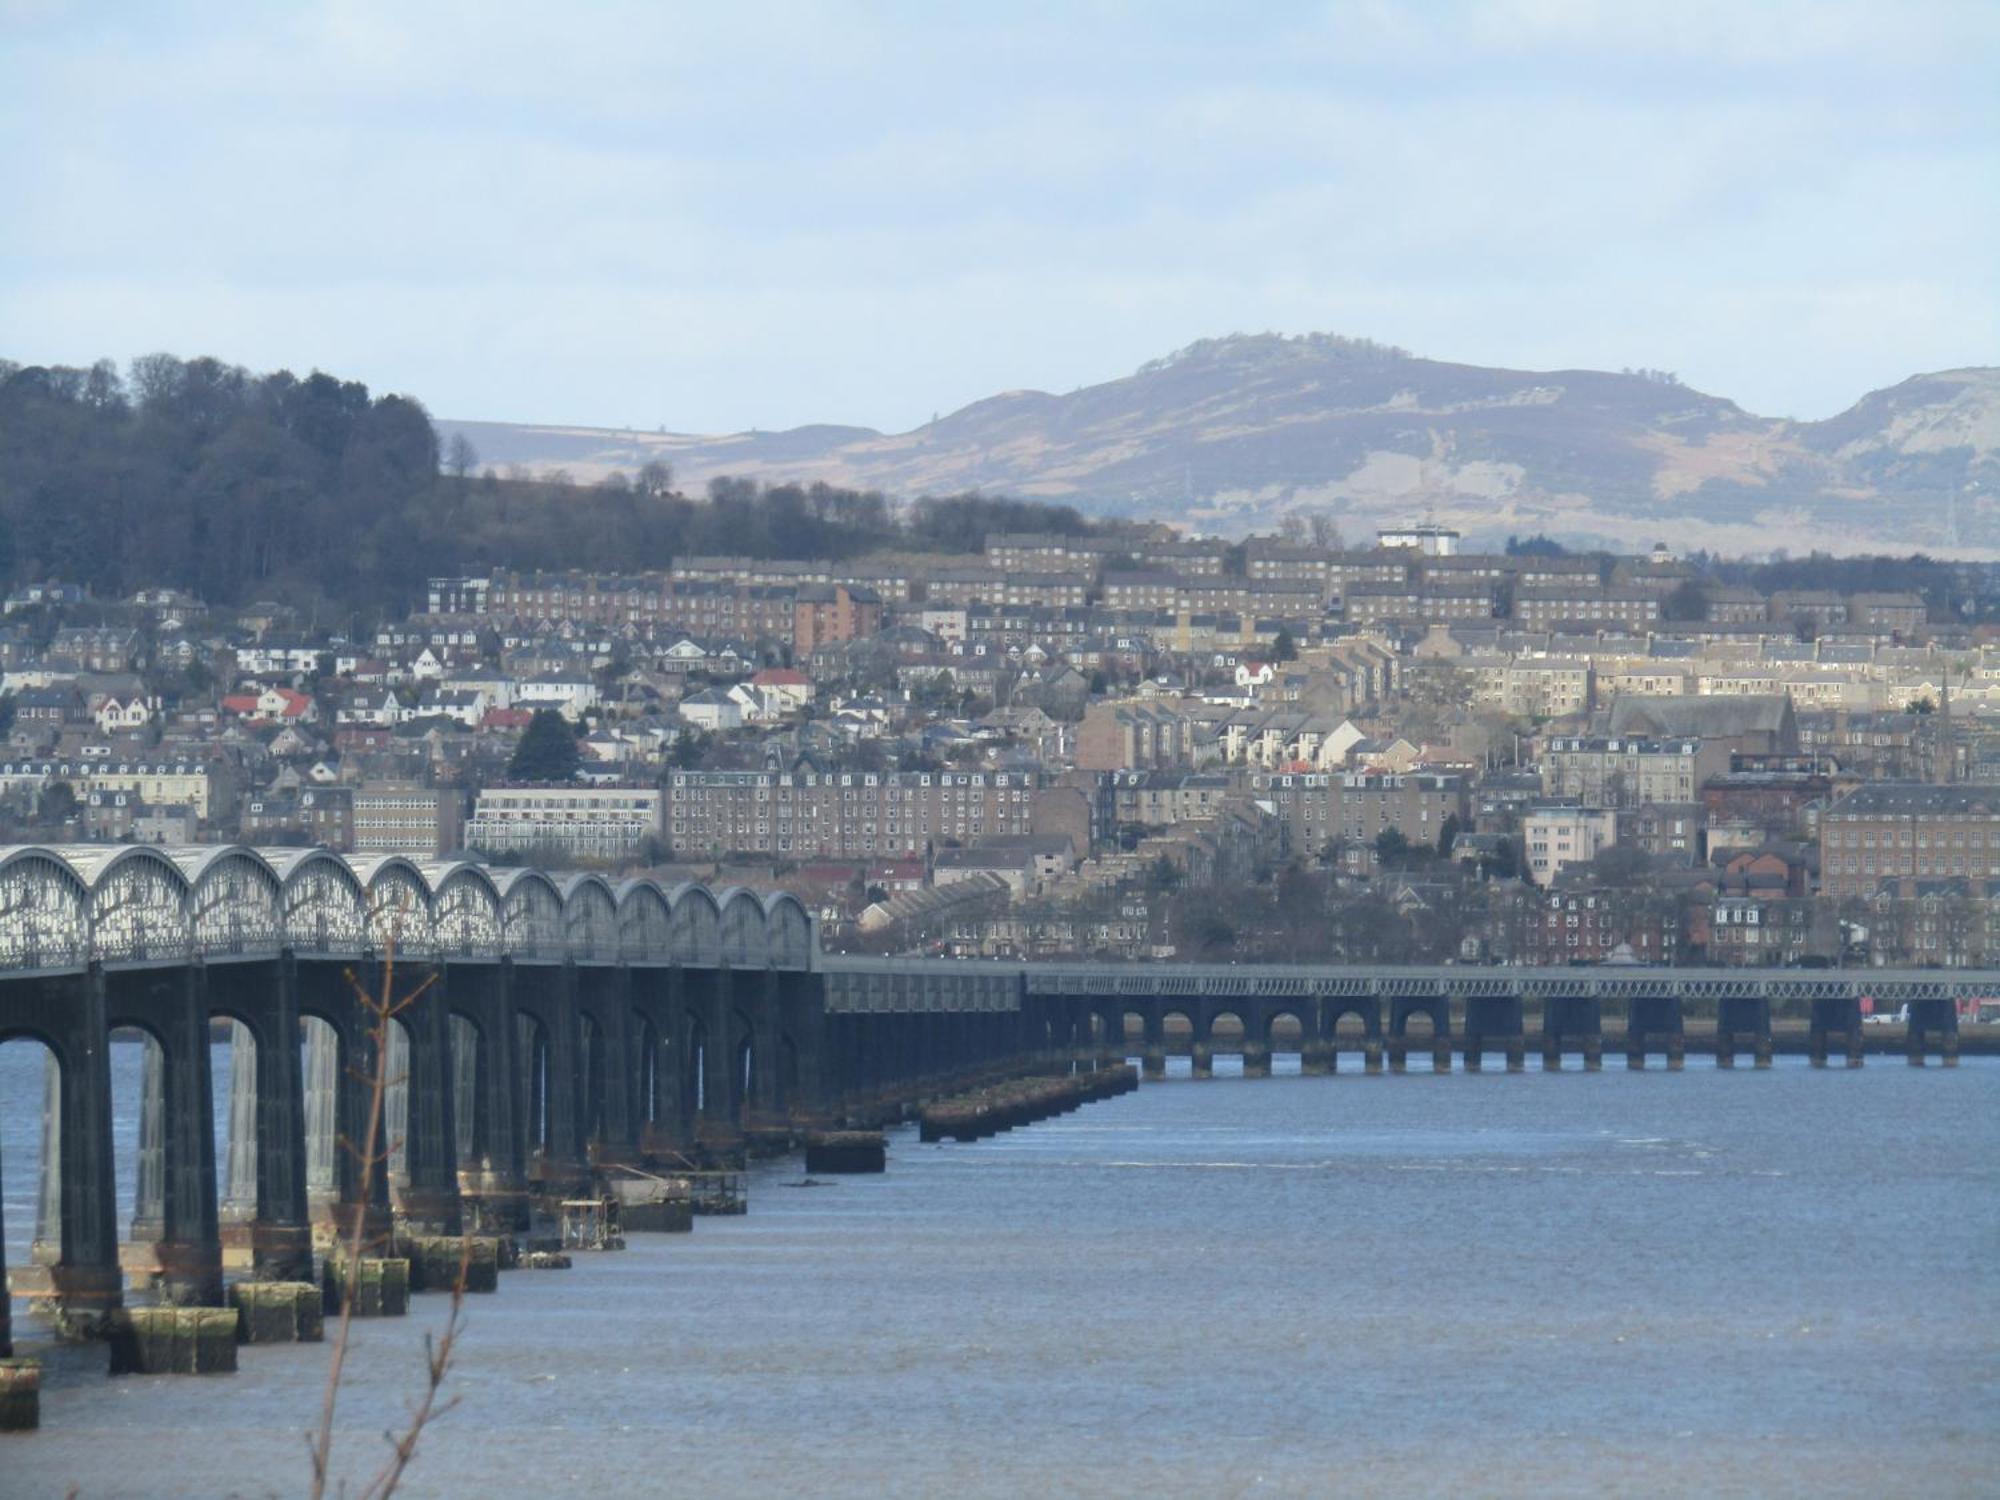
{"x": 380, "y": 1009}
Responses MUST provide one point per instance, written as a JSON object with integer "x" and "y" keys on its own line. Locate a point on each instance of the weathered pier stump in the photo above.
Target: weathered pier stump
{"x": 172, "y": 1340}
{"x": 381, "y": 1290}
{"x": 278, "y": 1312}
{"x": 835, "y": 1152}
{"x": 437, "y": 1261}
{"x": 20, "y": 1395}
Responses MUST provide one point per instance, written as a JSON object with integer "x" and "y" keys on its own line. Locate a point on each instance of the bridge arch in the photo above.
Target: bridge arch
{"x": 399, "y": 907}
{"x": 531, "y": 907}
{"x": 696, "y": 927}
{"x": 1292, "y": 1037}
{"x": 645, "y": 922}
{"x": 465, "y": 910}
{"x": 138, "y": 902}
{"x": 590, "y": 919}
{"x": 322, "y": 906}
{"x": 788, "y": 931}
{"x": 44, "y": 911}
{"x": 744, "y": 944}
{"x": 233, "y": 900}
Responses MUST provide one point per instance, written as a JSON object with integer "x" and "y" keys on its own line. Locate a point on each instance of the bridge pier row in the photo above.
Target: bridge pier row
{"x": 1649, "y": 1016}
{"x": 655, "y": 1066}
{"x": 766, "y": 1124}
{"x": 604, "y": 1008}
{"x": 339, "y": 1066}
{"x": 170, "y": 1006}
{"x": 1738, "y": 1016}
{"x": 238, "y": 1207}
{"x": 1317, "y": 1058}
{"x": 548, "y": 1080}
{"x": 488, "y": 1124}
{"x": 1153, "y": 1047}
{"x": 426, "y": 1200}
{"x": 1256, "y": 1043}
{"x": 1835, "y": 1016}
{"x": 266, "y": 1200}
{"x": 807, "y": 1099}
{"x": 1937, "y": 1018}
{"x": 1494, "y": 1023}
{"x": 1438, "y": 1011}
{"x": 75, "y": 1254}
{"x": 717, "y": 1129}
{"x": 1572, "y": 1022}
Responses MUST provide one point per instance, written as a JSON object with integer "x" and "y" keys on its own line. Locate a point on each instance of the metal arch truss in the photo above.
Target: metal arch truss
{"x": 64, "y": 908}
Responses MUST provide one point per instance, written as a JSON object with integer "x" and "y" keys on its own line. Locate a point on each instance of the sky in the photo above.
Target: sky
{"x": 710, "y": 217}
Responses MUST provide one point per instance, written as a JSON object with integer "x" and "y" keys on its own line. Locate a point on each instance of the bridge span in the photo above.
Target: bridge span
{"x": 572, "y": 1023}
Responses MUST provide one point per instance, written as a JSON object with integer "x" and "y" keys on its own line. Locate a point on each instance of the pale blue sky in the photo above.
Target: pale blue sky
{"x": 719, "y": 216}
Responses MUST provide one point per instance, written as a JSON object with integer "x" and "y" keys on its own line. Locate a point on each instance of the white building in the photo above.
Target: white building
{"x": 1559, "y": 836}
{"x": 574, "y": 822}
{"x": 1432, "y": 541}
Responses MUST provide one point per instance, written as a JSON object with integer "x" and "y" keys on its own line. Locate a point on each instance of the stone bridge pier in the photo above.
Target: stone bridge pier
{"x": 1654, "y": 1017}
{"x": 1572, "y": 1022}
{"x": 1494, "y": 1023}
{"x": 74, "y": 1260}
{"x": 1835, "y": 1016}
{"x": 1933, "y": 1016}
{"x": 1738, "y": 1017}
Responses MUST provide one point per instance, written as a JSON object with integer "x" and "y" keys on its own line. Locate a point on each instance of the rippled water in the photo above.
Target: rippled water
{"x": 1748, "y": 1283}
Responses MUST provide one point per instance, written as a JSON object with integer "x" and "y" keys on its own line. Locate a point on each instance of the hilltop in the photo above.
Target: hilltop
{"x": 1231, "y": 434}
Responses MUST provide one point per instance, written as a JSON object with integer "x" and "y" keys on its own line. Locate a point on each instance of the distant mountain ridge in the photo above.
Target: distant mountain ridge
{"x": 1231, "y": 434}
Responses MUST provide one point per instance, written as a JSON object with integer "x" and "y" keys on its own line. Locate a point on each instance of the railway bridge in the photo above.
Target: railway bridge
{"x": 563, "y": 1023}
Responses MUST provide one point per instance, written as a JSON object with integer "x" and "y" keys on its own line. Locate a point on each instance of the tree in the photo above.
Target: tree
{"x": 654, "y": 480}
{"x": 1392, "y": 848}
{"x": 1504, "y": 863}
{"x": 547, "y": 749}
{"x": 1447, "y": 835}
{"x": 460, "y": 457}
{"x": 1284, "y": 648}
{"x": 58, "y": 802}
{"x": 1687, "y": 601}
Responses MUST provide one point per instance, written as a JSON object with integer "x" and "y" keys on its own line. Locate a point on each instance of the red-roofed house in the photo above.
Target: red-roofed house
{"x": 781, "y": 691}
{"x": 273, "y": 705}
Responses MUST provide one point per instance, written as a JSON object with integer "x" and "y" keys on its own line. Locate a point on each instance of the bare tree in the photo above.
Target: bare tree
{"x": 381, "y": 1006}
{"x": 460, "y": 457}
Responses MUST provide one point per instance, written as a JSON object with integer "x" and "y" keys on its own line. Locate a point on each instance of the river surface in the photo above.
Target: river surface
{"x": 1707, "y": 1283}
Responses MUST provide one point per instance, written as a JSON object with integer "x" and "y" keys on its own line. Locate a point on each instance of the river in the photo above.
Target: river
{"x": 1776, "y": 1283}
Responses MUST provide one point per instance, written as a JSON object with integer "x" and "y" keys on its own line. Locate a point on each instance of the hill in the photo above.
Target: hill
{"x": 1232, "y": 434}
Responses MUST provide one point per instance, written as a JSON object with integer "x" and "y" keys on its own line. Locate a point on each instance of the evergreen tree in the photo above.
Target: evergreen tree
{"x": 547, "y": 751}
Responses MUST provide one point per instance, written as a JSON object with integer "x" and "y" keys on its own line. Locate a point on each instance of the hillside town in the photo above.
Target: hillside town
{"x": 1090, "y": 746}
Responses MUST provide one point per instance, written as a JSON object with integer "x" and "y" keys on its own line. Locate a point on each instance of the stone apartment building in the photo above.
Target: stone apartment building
{"x": 1541, "y": 606}
{"x": 1043, "y": 552}
{"x": 1628, "y": 772}
{"x": 1134, "y": 735}
{"x": 403, "y": 818}
{"x": 1374, "y": 602}
{"x": 999, "y": 586}
{"x": 1415, "y": 804}
{"x": 1305, "y": 803}
{"x": 1162, "y": 799}
{"x": 1908, "y": 831}
{"x": 830, "y": 613}
{"x": 846, "y": 815}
